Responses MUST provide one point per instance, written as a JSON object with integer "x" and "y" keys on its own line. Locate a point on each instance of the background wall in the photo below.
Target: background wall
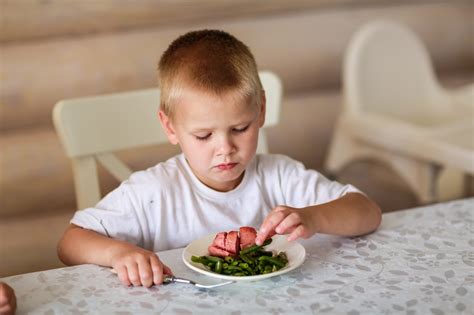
{"x": 51, "y": 50}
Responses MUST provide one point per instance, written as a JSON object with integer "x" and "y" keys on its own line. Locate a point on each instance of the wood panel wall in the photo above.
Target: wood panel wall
{"x": 305, "y": 47}
{"x": 52, "y": 18}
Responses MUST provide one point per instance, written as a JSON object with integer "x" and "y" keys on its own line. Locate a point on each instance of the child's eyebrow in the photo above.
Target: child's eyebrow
{"x": 200, "y": 129}
{"x": 203, "y": 129}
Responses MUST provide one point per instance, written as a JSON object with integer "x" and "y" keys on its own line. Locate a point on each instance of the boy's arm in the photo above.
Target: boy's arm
{"x": 82, "y": 246}
{"x": 133, "y": 264}
{"x": 352, "y": 214}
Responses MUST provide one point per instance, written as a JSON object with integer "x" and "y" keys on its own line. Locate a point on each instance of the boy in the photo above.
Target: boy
{"x": 212, "y": 105}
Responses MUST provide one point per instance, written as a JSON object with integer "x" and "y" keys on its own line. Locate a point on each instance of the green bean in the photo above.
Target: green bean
{"x": 201, "y": 260}
{"x": 213, "y": 258}
{"x": 243, "y": 265}
{"x": 255, "y": 247}
{"x": 235, "y": 270}
{"x": 267, "y": 269}
{"x": 218, "y": 268}
{"x": 247, "y": 259}
{"x": 273, "y": 260}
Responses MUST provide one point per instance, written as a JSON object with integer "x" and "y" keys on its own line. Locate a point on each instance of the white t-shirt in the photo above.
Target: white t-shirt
{"x": 166, "y": 206}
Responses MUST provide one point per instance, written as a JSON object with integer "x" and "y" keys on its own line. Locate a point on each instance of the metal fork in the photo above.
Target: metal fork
{"x": 172, "y": 279}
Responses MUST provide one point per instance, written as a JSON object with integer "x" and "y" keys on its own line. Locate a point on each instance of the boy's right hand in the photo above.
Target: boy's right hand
{"x": 137, "y": 266}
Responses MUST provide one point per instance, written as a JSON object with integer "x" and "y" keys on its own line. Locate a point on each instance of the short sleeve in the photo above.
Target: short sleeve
{"x": 115, "y": 216}
{"x": 303, "y": 187}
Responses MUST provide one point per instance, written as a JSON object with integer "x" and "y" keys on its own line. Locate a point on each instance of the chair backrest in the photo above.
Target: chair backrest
{"x": 91, "y": 129}
{"x": 387, "y": 70}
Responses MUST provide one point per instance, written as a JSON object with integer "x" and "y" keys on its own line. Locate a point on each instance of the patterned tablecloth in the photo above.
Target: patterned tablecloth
{"x": 420, "y": 261}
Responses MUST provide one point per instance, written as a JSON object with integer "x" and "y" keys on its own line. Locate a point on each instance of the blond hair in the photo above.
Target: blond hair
{"x": 208, "y": 60}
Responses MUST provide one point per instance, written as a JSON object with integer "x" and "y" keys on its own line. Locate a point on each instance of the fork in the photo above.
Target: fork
{"x": 172, "y": 279}
{"x": 167, "y": 279}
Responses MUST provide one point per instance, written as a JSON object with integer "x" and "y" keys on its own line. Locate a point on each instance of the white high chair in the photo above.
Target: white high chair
{"x": 91, "y": 129}
{"x": 396, "y": 111}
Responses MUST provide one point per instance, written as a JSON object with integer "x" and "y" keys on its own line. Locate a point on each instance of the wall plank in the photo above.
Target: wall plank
{"x": 305, "y": 49}
{"x": 66, "y": 18}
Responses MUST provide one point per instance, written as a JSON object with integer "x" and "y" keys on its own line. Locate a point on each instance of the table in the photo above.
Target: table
{"x": 420, "y": 261}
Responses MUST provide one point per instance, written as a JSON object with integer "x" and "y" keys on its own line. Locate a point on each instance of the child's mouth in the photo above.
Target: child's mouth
{"x": 227, "y": 166}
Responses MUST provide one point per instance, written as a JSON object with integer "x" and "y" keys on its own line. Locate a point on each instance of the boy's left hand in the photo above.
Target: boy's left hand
{"x": 286, "y": 220}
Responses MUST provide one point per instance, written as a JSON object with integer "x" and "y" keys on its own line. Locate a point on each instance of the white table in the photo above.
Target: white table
{"x": 420, "y": 261}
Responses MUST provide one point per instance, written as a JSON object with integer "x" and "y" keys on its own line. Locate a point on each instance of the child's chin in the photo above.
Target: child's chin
{"x": 229, "y": 177}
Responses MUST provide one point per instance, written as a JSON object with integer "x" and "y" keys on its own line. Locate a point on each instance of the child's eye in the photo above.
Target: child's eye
{"x": 203, "y": 138}
{"x": 241, "y": 129}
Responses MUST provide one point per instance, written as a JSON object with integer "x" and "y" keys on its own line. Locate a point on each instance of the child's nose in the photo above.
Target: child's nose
{"x": 226, "y": 145}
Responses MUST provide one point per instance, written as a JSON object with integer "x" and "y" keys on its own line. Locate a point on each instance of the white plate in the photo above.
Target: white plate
{"x": 294, "y": 251}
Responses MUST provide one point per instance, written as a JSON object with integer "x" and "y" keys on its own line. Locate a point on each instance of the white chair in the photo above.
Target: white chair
{"x": 395, "y": 110}
{"x": 91, "y": 129}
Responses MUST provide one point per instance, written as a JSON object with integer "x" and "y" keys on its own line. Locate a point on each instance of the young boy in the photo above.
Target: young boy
{"x": 212, "y": 105}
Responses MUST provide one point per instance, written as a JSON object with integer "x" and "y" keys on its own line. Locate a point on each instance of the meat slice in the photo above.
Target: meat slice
{"x": 220, "y": 240}
{"x": 232, "y": 242}
{"x": 247, "y": 236}
{"x": 216, "y": 251}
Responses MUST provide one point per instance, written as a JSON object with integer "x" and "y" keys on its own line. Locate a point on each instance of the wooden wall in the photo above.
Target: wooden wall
{"x": 74, "y": 54}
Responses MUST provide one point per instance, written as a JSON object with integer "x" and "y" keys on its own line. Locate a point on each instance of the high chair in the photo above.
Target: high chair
{"x": 395, "y": 111}
{"x": 91, "y": 129}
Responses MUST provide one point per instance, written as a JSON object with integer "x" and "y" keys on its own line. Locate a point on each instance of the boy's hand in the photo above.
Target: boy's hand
{"x": 284, "y": 220}
{"x": 137, "y": 266}
{"x": 7, "y": 300}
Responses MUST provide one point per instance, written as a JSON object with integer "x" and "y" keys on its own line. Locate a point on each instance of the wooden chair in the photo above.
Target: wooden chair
{"x": 91, "y": 129}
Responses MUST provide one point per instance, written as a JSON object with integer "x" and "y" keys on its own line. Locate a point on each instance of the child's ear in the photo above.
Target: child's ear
{"x": 263, "y": 110}
{"x": 167, "y": 125}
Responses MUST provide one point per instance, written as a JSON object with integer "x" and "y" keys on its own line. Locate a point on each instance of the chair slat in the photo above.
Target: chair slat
{"x": 115, "y": 166}
{"x": 86, "y": 181}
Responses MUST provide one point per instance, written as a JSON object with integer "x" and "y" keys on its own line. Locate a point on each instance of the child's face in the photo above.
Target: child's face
{"x": 218, "y": 135}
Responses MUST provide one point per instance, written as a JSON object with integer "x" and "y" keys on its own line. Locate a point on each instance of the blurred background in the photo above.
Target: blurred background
{"x": 56, "y": 49}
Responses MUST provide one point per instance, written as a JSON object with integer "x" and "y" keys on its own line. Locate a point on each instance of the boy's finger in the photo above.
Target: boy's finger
{"x": 167, "y": 270}
{"x": 288, "y": 230}
{"x": 291, "y": 221}
{"x": 297, "y": 233}
{"x": 133, "y": 274}
{"x": 145, "y": 272}
{"x": 268, "y": 226}
{"x": 123, "y": 274}
{"x": 157, "y": 269}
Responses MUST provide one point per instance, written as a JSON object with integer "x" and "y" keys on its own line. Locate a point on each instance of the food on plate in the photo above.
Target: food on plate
{"x": 236, "y": 254}
{"x": 230, "y": 243}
